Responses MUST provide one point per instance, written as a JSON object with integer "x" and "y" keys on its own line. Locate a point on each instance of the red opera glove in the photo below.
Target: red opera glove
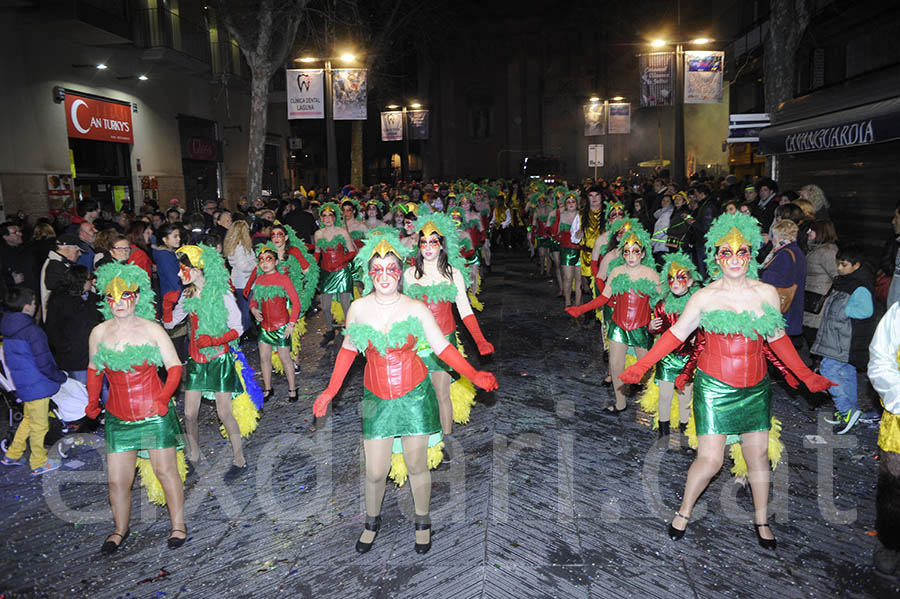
{"x": 210, "y": 341}
{"x": 687, "y": 374}
{"x": 576, "y": 311}
{"x": 484, "y": 346}
{"x": 666, "y": 344}
{"x": 94, "y": 386}
{"x": 454, "y": 359}
{"x": 595, "y": 268}
{"x": 342, "y": 366}
{"x": 169, "y": 301}
{"x": 784, "y": 349}
{"x": 789, "y": 377}
{"x": 173, "y": 378}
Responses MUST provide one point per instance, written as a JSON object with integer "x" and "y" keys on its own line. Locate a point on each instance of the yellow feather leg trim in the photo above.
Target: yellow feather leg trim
{"x": 478, "y": 284}
{"x": 155, "y": 492}
{"x": 649, "y": 401}
{"x": 277, "y": 366}
{"x": 775, "y": 449}
{"x": 337, "y": 311}
{"x": 356, "y": 292}
{"x": 459, "y": 346}
{"x": 475, "y": 303}
{"x": 462, "y": 398}
{"x": 299, "y": 330}
{"x": 630, "y": 359}
{"x": 399, "y": 473}
{"x": 245, "y": 413}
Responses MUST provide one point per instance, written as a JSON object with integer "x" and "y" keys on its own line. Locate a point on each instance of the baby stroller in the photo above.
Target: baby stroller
{"x": 66, "y": 411}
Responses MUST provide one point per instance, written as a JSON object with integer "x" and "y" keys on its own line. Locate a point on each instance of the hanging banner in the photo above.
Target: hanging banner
{"x": 657, "y": 78}
{"x": 594, "y": 119}
{"x": 703, "y": 77}
{"x": 620, "y": 118}
{"x": 89, "y": 118}
{"x": 349, "y": 87}
{"x": 306, "y": 93}
{"x": 417, "y": 124}
{"x": 392, "y": 125}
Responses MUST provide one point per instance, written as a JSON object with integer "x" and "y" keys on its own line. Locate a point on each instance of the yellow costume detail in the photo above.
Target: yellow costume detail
{"x": 117, "y": 286}
{"x": 245, "y": 413}
{"x": 193, "y": 252}
{"x": 734, "y": 239}
{"x": 399, "y": 473}
{"x": 155, "y": 493}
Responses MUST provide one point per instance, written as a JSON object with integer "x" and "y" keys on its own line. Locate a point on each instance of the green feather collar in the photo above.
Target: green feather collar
{"x": 361, "y": 335}
{"x": 748, "y": 324}
{"x": 436, "y": 292}
{"x": 125, "y": 359}
{"x": 623, "y": 284}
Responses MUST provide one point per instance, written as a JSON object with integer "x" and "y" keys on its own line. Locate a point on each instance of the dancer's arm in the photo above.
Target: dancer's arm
{"x": 342, "y": 365}
{"x": 687, "y": 373}
{"x": 789, "y": 377}
{"x": 468, "y": 317}
{"x": 597, "y": 302}
{"x": 450, "y": 354}
{"x": 784, "y": 349}
{"x": 665, "y": 345}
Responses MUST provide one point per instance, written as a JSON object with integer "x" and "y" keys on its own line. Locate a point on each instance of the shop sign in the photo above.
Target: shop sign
{"x": 828, "y": 138}
{"x": 201, "y": 148}
{"x": 89, "y": 118}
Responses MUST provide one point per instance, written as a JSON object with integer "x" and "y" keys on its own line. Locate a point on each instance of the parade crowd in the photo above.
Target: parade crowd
{"x": 701, "y": 296}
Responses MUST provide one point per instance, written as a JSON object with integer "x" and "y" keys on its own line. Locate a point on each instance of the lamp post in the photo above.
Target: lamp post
{"x": 331, "y": 162}
{"x": 404, "y": 156}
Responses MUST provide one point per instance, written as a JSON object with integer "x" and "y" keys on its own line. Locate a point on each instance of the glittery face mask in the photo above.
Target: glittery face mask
{"x": 432, "y": 242}
{"x": 679, "y": 279}
{"x": 127, "y": 299}
{"x": 634, "y": 250}
{"x": 378, "y": 272}
{"x": 278, "y": 237}
{"x": 726, "y": 253}
{"x": 185, "y": 274}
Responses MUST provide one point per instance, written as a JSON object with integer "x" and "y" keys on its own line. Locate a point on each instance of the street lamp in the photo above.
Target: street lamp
{"x": 404, "y": 157}
{"x": 678, "y": 163}
{"x": 330, "y": 139}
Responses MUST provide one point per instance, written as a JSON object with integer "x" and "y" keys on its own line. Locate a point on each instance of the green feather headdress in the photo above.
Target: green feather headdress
{"x": 639, "y": 233}
{"x": 338, "y": 221}
{"x": 444, "y": 226}
{"x": 386, "y": 242}
{"x": 612, "y": 228}
{"x": 310, "y": 279}
{"x": 209, "y": 306}
{"x": 131, "y": 275}
{"x": 615, "y": 204}
{"x": 747, "y": 227}
{"x": 266, "y": 247}
{"x": 682, "y": 260}
{"x": 357, "y": 207}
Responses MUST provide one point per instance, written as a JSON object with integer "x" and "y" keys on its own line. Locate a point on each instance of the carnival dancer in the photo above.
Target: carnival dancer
{"x": 215, "y": 324}
{"x": 567, "y": 232}
{"x": 472, "y": 224}
{"x": 680, "y": 277}
{"x": 350, "y": 210}
{"x": 542, "y": 233}
{"x": 398, "y": 399}
{"x": 373, "y": 214}
{"x": 593, "y": 225}
{"x": 334, "y": 252}
{"x": 731, "y": 388}
{"x": 276, "y": 308}
{"x": 884, "y": 373}
{"x": 140, "y": 413}
{"x": 633, "y": 280}
{"x": 438, "y": 279}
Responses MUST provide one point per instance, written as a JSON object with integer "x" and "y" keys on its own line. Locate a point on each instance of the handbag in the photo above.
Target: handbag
{"x": 814, "y": 302}
{"x": 786, "y": 294}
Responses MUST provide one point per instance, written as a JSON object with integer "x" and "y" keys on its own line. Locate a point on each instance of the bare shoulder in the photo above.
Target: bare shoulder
{"x": 409, "y": 275}
{"x": 650, "y": 273}
{"x": 616, "y": 271}
{"x": 766, "y": 292}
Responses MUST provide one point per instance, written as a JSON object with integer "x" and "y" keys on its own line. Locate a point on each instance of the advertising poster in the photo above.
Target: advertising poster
{"x": 703, "y": 77}
{"x": 349, "y": 87}
{"x": 657, "y": 78}
{"x": 306, "y": 93}
{"x": 417, "y": 124}
{"x": 619, "y": 118}
{"x": 60, "y": 186}
{"x": 392, "y": 125}
{"x": 594, "y": 121}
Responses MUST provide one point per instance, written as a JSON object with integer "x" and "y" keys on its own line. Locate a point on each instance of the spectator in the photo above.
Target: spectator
{"x": 679, "y": 238}
{"x": 890, "y": 259}
{"x": 302, "y": 221}
{"x": 238, "y": 250}
{"x": 821, "y": 269}
{"x": 785, "y": 269}
{"x": 15, "y": 257}
{"x": 173, "y": 216}
{"x": 102, "y": 245}
{"x": 209, "y": 208}
{"x": 72, "y": 313}
{"x": 87, "y": 234}
{"x": 87, "y": 211}
{"x": 140, "y": 237}
{"x": 804, "y": 222}
{"x": 58, "y": 262}
{"x": 707, "y": 211}
{"x": 223, "y": 223}
{"x": 767, "y": 191}
{"x": 848, "y": 314}
{"x": 639, "y": 210}
{"x": 815, "y": 195}
{"x": 663, "y": 218}
{"x": 261, "y": 230}
{"x": 43, "y": 240}
{"x": 35, "y": 374}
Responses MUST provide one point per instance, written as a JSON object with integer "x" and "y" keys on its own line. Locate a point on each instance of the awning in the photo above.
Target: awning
{"x": 863, "y": 125}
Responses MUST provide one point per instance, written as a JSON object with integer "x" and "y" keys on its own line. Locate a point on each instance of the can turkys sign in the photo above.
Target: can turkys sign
{"x": 89, "y": 118}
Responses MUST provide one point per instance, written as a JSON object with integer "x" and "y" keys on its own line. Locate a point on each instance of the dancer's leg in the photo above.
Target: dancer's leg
{"x": 165, "y": 466}
{"x": 415, "y": 454}
{"x": 441, "y": 382}
{"x": 708, "y": 463}
{"x": 223, "y": 409}
{"x": 191, "y": 412}
{"x": 616, "y": 367}
{"x": 120, "y": 473}
{"x": 326, "y": 311}
{"x": 755, "y": 447}
{"x": 568, "y": 276}
{"x": 285, "y": 354}
{"x": 265, "y": 364}
{"x": 666, "y": 392}
{"x": 378, "y": 462}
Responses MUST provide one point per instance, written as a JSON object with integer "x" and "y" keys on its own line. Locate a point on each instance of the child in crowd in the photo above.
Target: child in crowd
{"x": 35, "y": 375}
{"x": 845, "y": 332}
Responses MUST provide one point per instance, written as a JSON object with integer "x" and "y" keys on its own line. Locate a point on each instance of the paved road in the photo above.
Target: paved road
{"x": 547, "y": 497}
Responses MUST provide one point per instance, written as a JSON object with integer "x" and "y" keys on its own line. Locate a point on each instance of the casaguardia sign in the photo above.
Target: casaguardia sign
{"x": 864, "y": 125}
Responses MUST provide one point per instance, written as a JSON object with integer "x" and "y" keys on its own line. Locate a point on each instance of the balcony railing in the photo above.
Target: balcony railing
{"x": 162, "y": 28}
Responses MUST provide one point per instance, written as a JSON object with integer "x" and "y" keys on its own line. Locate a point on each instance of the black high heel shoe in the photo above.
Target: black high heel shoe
{"x": 267, "y": 395}
{"x": 674, "y": 533}
{"x": 423, "y": 523}
{"x": 108, "y": 547}
{"x": 176, "y": 542}
{"x": 292, "y": 395}
{"x": 764, "y": 543}
{"x": 372, "y": 524}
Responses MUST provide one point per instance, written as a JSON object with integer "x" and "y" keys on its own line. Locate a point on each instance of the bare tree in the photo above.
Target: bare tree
{"x": 265, "y": 31}
{"x": 788, "y": 21}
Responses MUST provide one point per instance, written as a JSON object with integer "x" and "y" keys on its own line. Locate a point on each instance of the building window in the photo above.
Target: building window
{"x": 481, "y": 121}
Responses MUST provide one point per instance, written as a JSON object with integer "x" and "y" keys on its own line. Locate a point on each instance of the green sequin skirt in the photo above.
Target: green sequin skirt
{"x": 543, "y": 242}
{"x": 155, "y": 432}
{"x": 430, "y": 358}
{"x": 215, "y": 376}
{"x": 275, "y": 338}
{"x": 339, "y": 281}
{"x": 569, "y": 256}
{"x": 670, "y": 367}
{"x": 415, "y": 413}
{"x": 639, "y": 337}
{"x": 554, "y": 245}
{"x": 720, "y": 409}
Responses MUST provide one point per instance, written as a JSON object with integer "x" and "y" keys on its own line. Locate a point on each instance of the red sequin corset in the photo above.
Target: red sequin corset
{"x": 733, "y": 359}
{"x": 336, "y": 258}
{"x": 443, "y": 314}
{"x": 275, "y": 313}
{"x": 194, "y": 351}
{"x": 395, "y": 373}
{"x": 131, "y": 393}
{"x": 631, "y": 310}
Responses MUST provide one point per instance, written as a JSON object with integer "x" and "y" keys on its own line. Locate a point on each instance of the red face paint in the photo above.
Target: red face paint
{"x": 186, "y": 272}
{"x": 431, "y": 242}
{"x": 278, "y": 236}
